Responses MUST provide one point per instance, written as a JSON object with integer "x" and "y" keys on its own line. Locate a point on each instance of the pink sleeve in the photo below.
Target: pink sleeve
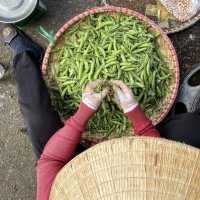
{"x": 142, "y": 125}
{"x": 60, "y": 150}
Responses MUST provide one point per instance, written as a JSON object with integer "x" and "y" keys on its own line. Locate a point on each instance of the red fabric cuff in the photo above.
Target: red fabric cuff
{"x": 137, "y": 115}
{"x": 138, "y": 119}
{"x": 83, "y": 114}
{"x": 142, "y": 125}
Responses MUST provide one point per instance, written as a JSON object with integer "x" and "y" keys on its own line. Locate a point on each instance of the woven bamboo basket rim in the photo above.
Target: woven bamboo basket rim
{"x": 131, "y": 168}
{"x": 183, "y": 25}
{"x": 167, "y": 105}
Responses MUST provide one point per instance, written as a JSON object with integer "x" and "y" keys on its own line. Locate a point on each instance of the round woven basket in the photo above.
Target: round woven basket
{"x": 183, "y": 25}
{"x": 131, "y": 168}
{"x": 163, "y": 41}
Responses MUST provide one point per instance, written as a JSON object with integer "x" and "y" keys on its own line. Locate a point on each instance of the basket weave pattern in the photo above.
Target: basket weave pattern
{"x": 131, "y": 168}
{"x": 164, "y": 43}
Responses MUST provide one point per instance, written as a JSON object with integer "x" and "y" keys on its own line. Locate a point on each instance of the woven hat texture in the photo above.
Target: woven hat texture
{"x": 131, "y": 168}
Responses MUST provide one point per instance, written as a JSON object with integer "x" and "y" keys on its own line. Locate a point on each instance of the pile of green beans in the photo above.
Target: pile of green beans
{"x": 108, "y": 47}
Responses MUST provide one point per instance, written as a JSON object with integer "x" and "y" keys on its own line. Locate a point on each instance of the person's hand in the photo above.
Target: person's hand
{"x": 124, "y": 96}
{"x": 90, "y": 98}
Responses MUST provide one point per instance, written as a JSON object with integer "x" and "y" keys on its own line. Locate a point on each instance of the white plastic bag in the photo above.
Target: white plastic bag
{"x": 2, "y": 71}
{"x": 195, "y": 6}
{"x": 182, "y": 9}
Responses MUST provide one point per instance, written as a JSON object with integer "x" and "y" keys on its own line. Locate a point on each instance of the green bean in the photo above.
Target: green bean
{"x": 104, "y": 25}
{"x": 98, "y": 72}
{"x": 87, "y": 68}
{"x": 92, "y": 70}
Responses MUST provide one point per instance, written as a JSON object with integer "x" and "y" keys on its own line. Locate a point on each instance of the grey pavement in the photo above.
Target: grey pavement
{"x": 17, "y": 162}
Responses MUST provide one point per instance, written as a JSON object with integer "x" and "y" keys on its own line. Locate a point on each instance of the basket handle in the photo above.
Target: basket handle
{"x": 105, "y": 2}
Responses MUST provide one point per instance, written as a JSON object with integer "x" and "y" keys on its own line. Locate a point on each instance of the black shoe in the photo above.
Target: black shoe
{"x": 188, "y": 100}
{"x": 19, "y": 41}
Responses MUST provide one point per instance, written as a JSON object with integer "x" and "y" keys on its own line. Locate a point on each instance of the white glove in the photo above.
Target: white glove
{"x": 90, "y": 98}
{"x": 124, "y": 96}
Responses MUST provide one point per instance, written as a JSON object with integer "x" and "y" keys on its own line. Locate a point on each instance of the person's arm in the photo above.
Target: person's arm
{"x": 125, "y": 98}
{"x": 142, "y": 126}
{"x": 61, "y": 147}
{"x": 60, "y": 150}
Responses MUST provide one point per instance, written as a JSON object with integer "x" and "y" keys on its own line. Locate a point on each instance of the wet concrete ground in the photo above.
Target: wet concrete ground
{"x": 17, "y": 163}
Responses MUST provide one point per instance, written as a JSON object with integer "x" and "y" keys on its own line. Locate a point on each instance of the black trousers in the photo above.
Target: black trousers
{"x": 42, "y": 121}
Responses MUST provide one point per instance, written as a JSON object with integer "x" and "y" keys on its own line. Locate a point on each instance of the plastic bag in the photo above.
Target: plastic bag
{"x": 195, "y": 6}
{"x": 2, "y": 71}
{"x": 183, "y": 10}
